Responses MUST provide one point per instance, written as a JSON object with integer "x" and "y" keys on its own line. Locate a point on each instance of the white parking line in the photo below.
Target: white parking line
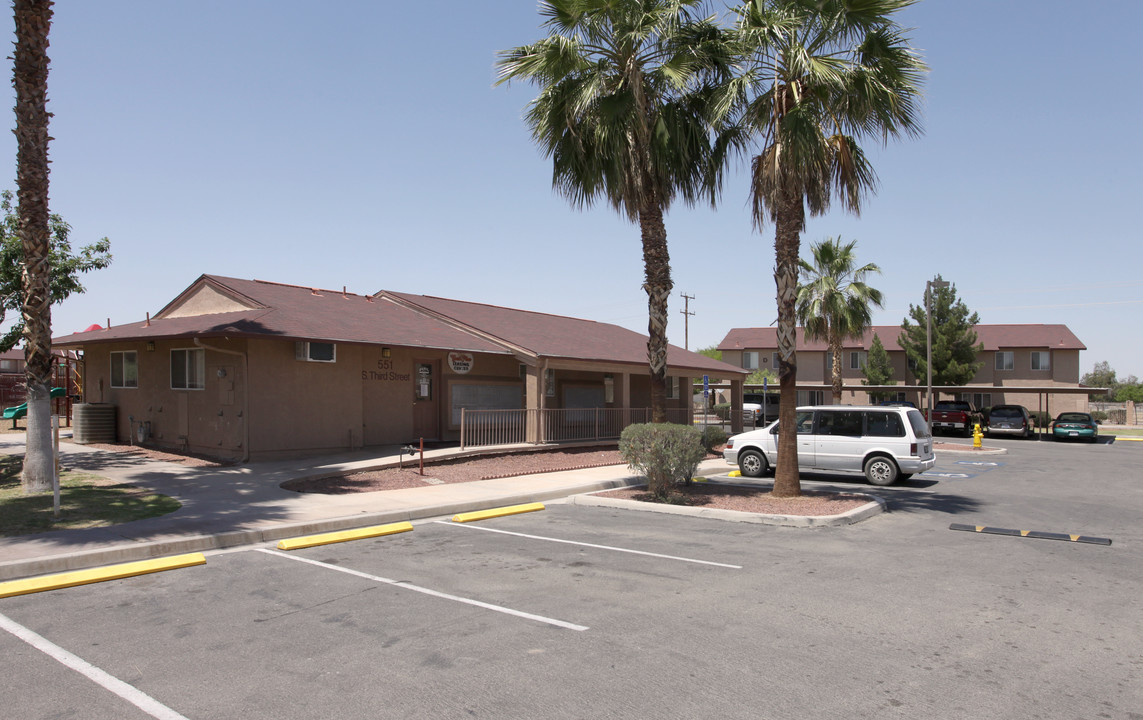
{"x": 590, "y": 545}
{"x": 130, "y": 693}
{"x": 426, "y": 591}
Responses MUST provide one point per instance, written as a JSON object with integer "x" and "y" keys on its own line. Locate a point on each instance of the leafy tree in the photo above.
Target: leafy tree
{"x": 1102, "y": 375}
{"x": 30, "y": 78}
{"x": 955, "y": 349}
{"x": 1129, "y": 392}
{"x": 834, "y": 301}
{"x": 878, "y": 368}
{"x": 711, "y": 352}
{"x": 818, "y": 77}
{"x": 615, "y": 116}
{"x": 65, "y": 268}
{"x": 756, "y": 377}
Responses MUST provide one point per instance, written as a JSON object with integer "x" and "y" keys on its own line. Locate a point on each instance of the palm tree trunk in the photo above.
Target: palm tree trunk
{"x": 657, "y": 270}
{"x": 835, "y": 371}
{"x": 30, "y": 77}
{"x": 788, "y": 220}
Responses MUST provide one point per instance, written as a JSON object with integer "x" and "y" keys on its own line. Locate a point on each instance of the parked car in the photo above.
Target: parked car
{"x": 1010, "y": 420}
{"x": 886, "y": 444}
{"x": 898, "y": 403}
{"x": 1075, "y": 426}
{"x": 759, "y": 412}
{"x": 955, "y": 416}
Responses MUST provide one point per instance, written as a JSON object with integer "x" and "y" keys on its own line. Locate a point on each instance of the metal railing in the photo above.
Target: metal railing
{"x": 504, "y": 427}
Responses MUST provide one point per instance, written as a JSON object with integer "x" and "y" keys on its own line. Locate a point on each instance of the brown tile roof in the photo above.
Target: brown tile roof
{"x": 993, "y": 337}
{"x": 301, "y": 313}
{"x": 297, "y": 313}
{"x": 558, "y": 336}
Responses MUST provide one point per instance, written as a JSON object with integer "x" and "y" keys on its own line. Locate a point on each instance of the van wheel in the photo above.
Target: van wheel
{"x": 752, "y": 464}
{"x": 880, "y": 470}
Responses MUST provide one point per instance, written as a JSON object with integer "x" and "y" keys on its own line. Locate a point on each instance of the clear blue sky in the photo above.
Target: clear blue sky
{"x": 362, "y": 144}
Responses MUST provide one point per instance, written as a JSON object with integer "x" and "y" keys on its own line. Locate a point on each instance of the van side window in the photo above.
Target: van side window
{"x": 840, "y": 422}
{"x": 883, "y": 424}
{"x": 805, "y": 423}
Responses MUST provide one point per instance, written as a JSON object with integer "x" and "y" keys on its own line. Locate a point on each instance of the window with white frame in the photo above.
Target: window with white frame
{"x": 124, "y": 369}
{"x": 750, "y": 360}
{"x": 188, "y": 369}
{"x": 776, "y": 359}
{"x": 978, "y": 400}
{"x": 810, "y": 397}
{"x": 1004, "y": 360}
{"x": 857, "y": 359}
{"x": 1041, "y": 360}
{"x": 315, "y": 352}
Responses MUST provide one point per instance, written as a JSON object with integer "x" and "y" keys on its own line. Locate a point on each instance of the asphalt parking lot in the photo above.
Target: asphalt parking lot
{"x": 596, "y": 612}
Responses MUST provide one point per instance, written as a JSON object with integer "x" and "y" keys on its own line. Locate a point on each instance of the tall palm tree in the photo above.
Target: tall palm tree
{"x": 615, "y": 117}
{"x": 30, "y": 78}
{"x": 834, "y": 300}
{"x": 820, "y": 75}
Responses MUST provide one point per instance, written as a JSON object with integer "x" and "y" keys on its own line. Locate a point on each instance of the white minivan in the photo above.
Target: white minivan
{"x": 885, "y": 443}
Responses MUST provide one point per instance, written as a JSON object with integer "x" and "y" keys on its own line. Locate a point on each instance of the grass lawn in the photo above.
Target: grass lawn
{"x": 1124, "y": 432}
{"x": 85, "y": 501}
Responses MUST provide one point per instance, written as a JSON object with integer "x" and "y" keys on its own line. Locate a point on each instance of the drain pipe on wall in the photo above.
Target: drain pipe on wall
{"x": 245, "y": 394}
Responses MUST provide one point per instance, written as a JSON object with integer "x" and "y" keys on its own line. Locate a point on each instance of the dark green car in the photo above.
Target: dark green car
{"x": 1075, "y": 426}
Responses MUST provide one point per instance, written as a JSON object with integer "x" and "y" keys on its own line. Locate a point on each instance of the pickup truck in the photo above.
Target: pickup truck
{"x": 955, "y": 416}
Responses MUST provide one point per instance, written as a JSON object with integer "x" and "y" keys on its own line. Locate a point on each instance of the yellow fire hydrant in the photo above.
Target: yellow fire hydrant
{"x": 976, "y": 436}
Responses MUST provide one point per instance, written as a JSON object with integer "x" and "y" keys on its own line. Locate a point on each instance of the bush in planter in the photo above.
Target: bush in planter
{"x": 663, "y": 453}
{"x": 712, "y": 437}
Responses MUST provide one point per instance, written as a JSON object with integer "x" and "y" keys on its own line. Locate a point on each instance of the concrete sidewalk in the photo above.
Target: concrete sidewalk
{"x": 231, "y": 506}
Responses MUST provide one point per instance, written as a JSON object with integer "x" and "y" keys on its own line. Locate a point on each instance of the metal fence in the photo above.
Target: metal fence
{"x": 506, "y": 427}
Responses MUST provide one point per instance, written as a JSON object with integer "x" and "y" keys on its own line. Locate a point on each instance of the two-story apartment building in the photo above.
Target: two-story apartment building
{"x": 1036, "y": 358}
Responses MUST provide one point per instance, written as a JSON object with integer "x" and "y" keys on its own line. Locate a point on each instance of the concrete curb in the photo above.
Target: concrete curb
{"x": 875, "y": 506}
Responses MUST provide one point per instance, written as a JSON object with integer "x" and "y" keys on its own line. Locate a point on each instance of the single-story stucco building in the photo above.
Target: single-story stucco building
{"x": 252, "y": 369}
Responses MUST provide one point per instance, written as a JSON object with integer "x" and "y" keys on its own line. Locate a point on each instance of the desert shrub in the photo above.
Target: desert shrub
{"x": 663, "y": 453}
{"x": 722, "y": 410}
{"x": 712, "y": 437}
{"x": 1042, "y": 419}
{"x": 1099, "y": 416}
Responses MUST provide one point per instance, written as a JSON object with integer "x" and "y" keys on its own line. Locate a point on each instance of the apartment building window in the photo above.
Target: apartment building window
{"x": 188, "y": 369}
{"x": 1004, "y": 360}
{"x": 672, "y": 388}
{"x": 810, "y": 397}
{"x": 857, "y": 359}
{"x": 124, "y": 369}
{"x": 978, "y": 400}
{"x": 315, "y": 351}
{"x": 776, "y": 359}
{"x": 1041, "y": 360}
{"x": 750, "y": 360}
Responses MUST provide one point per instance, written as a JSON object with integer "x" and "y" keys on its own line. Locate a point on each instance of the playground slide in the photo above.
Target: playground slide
{"x": 18, "y": 411}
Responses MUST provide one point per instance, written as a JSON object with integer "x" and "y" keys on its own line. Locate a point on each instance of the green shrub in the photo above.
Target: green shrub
{"x": 1099, "y": 416}
{"x": 663, "y": 453}
{"x": 712, "y": 437}
{"x": 722, "y": 410}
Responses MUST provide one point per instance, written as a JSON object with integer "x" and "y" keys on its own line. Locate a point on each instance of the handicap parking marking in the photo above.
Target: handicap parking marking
{"x": 945, "y": 475}
{"x": 986, "y": 464}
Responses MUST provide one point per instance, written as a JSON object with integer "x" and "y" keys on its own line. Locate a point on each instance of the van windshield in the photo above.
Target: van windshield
{"x": 920, "y": 427}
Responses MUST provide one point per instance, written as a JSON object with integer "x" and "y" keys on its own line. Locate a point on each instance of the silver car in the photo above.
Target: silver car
{"x": 1010, "y": 420}
{"x": 886, "y": 444}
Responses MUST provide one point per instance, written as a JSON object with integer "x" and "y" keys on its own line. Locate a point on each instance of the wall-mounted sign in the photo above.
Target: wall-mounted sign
{"x": 461, "y": 363}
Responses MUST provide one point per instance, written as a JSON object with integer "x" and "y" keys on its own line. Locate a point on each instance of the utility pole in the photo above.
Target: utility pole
{"x": 686, "y": 311}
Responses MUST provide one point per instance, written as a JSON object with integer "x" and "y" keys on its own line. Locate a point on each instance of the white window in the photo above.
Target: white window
{"x": 315, "y": 352}
{"x": 857, "y": 359}
{"x": 673, "y": 388}
{"x": 978, "y": 400}
{"x": 7, "y": 366}
{"x": 776, "y": 359}
{"x": 188, "y": 369}
{"x": 124, "y": 369}
{"x": 1041, "y": 360}
{"x": 750, "y": 360}
{"x": 810, "y": 397}
{"x": 1004, "y": 360}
